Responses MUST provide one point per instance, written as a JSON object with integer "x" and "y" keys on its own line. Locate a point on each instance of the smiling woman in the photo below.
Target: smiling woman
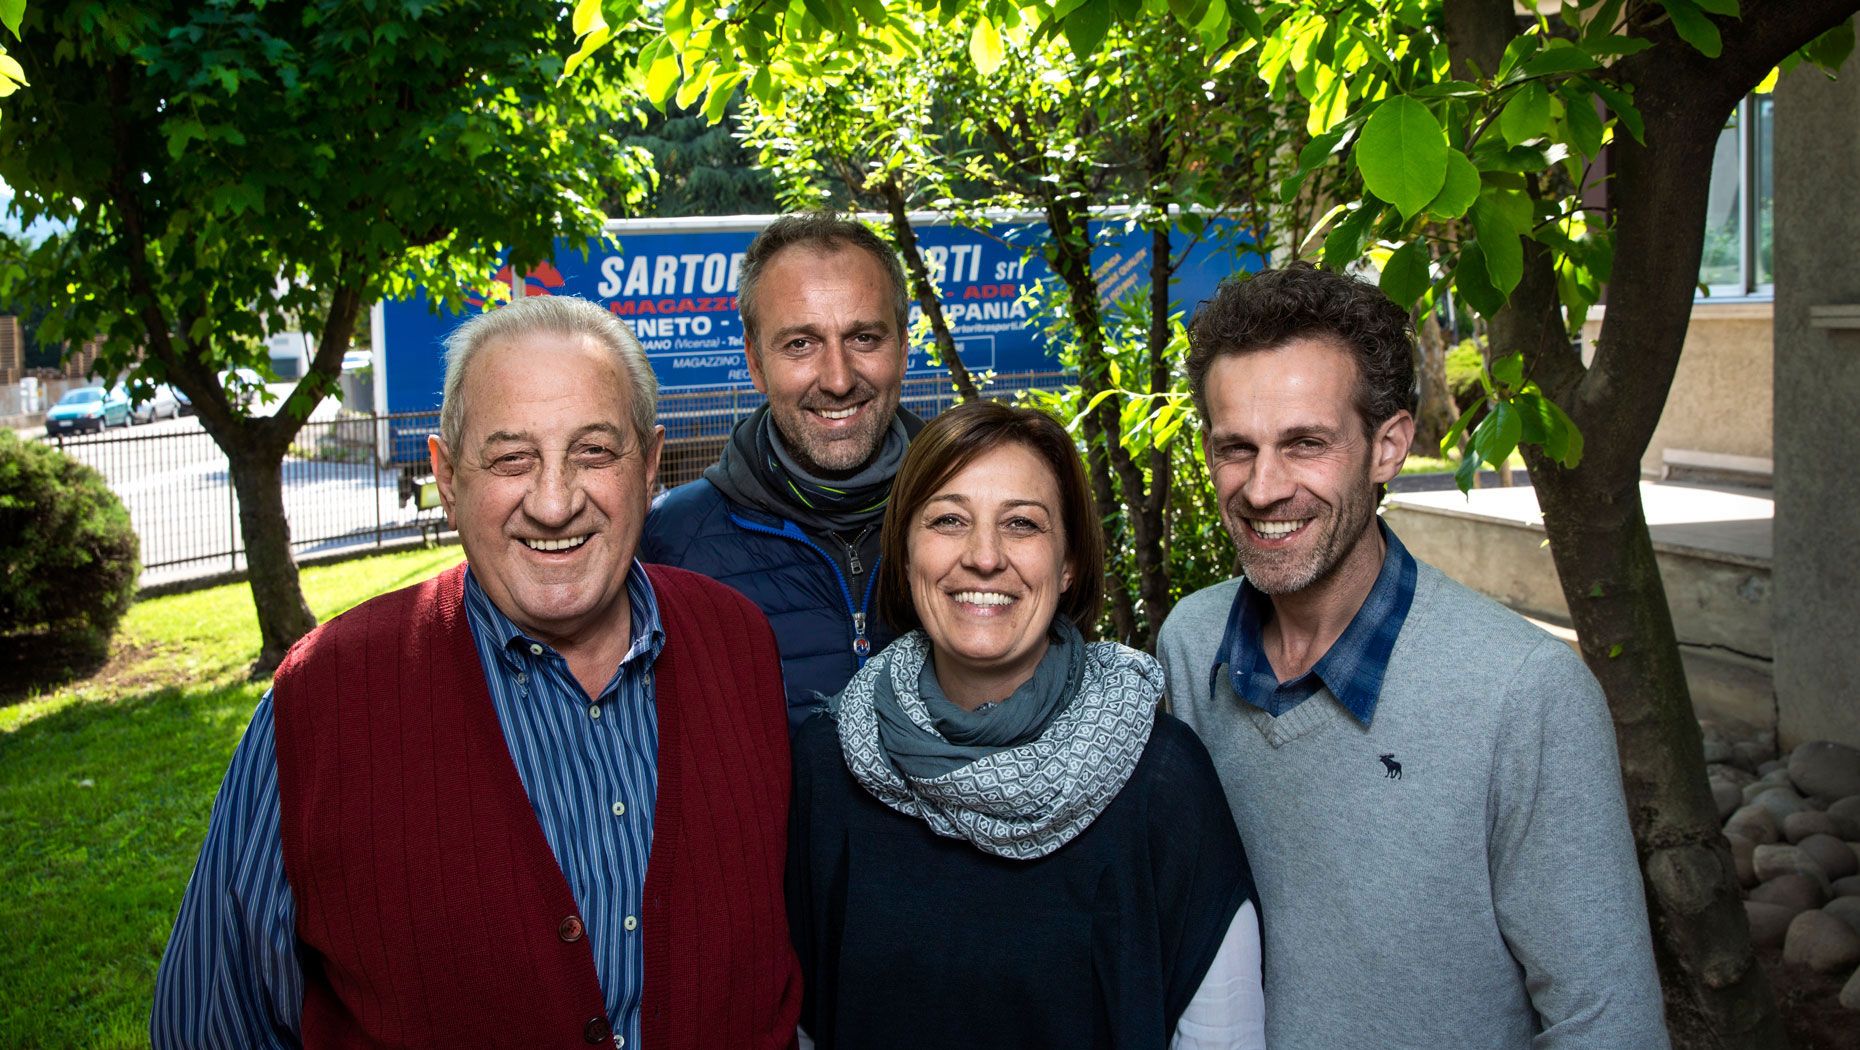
{"x": 993, "y": 825}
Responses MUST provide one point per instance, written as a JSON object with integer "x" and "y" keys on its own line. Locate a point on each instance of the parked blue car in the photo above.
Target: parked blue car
{"x": 88, "y": 408}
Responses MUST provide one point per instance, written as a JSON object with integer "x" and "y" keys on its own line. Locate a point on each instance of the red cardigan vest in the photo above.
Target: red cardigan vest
{"x": 430, "y": 910}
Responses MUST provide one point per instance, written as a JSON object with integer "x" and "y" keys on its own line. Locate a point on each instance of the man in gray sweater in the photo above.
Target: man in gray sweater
{"x": 1426, "y": 783}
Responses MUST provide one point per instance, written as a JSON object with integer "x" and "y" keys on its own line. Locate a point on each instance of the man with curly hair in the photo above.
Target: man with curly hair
{"x": 1426, "y": 782}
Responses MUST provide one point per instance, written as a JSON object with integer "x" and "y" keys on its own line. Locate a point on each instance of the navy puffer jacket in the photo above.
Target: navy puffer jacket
{"x": 824, "y": 632}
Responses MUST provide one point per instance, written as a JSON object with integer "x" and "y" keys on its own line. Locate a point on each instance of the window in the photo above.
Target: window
{"x": 1740, "y": 213}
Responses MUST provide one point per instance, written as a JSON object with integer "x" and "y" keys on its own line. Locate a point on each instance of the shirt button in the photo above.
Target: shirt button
{"x": 597, "y": 1030}
{"x": 631, "y": 923}
{"x": 570, "y": 929}
{"x": 522, "y": 678}
{"x": 619, "y": 809}
{"x": 594, "y": 711}
{"x": 535, "y": 650}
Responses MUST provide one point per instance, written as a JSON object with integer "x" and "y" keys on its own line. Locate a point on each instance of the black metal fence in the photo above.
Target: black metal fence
{"x": 351, "y": 481}
{"x": 342, "y": 482}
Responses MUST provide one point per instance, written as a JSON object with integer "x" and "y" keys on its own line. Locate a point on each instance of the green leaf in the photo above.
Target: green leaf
{"x": 1520, "y": 48}
{"x": 1622, "y": 104}
{"x": 1449, "y": 89}
{"x": 11, "y": 11}
{"x": 1527, "y": 115}
{"x": 1085, "y": 28}
{"x": 1583, "y": 123}
{"x": 1498, "y": 236}
{"x": 1189, "y": 12}
{"x": 1596, "y": 591}
{"x": 1614, "y": 45}
{"x": 12, "y": 75}
{"x": 1452, "y": 440}
{"x": 1496, "y": 436}
{"x": 1508, "y": 373}
{"x": 1727, "y": 8}
{"x": 1694, "y": 28}
{"x": 1604, "y": 20}
{"x": 1321, "y": 147}
{"x": 1558, "y": 56}
{"x": 586, "y": 19}
{"x": 662, "y": 75}
{"x": 1244, "y": 13}
{"x": 182, "y": 132}
{"x": 1615, "y": 650}
{"x": 1830, "y": 49}
{"x": 1344, "y": 244}
{"x": 1404, "y": 277}
{"x": 590, "y": 43}
{"x": 1468, "y": 470}
{"x": 985, "y": 48}
{"x": 1403, "y": 154}
{"x": 722, "y": 89}
{"x": 1459, "y": 191}
{"x": 1475, "y": 283}
{"x": 1534, "y": 416}
{"x": 1563, "y": 443}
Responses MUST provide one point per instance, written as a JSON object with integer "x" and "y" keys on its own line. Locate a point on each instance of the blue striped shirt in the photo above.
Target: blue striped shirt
{"x": 231, "y": 976}
{"x": 1351, "y": 669}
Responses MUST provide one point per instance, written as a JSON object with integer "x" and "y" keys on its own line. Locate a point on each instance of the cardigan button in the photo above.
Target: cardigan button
{"x": 570, "y": 929}
{"x": 597, "y": 1030}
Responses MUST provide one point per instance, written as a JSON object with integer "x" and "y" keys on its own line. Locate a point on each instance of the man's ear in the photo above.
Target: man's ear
{"x": 651, "y": 455}
{"x": 754, "y": 362}
{"x": 1390, "y": 444}
{"x": 441, "y": 458}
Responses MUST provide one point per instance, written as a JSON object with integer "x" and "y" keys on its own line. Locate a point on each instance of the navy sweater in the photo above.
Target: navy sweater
{"x": 910, "y": 940}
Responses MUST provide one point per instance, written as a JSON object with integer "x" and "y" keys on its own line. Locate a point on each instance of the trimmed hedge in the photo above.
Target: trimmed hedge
{"x": 69, "y": 557}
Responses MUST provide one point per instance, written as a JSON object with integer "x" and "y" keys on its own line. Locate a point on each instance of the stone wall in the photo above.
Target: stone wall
{"x": 1817, "y": 406}
{"x": 1721, "y": 398}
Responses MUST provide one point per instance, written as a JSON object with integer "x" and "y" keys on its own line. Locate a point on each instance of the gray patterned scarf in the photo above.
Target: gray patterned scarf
{"x": 1023, "y": 800}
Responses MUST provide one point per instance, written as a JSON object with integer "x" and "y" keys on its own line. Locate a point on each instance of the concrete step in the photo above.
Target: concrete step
{"x": 1713, "y": 547}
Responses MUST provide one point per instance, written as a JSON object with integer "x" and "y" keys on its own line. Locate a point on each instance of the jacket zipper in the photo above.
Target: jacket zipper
{"x": 862, "y": 645}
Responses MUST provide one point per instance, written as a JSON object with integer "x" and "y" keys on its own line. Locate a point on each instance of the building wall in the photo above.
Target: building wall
{"x": 1817, "y": 384}
{"x": 12, "y": 350}
{"x": 1721, "y": 399}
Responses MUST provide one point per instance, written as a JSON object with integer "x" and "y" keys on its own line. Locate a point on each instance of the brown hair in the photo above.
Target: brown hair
{"x": 1273, "y": 307}
{"x": 951, "y": 442}
{"x": 823, "y": 233}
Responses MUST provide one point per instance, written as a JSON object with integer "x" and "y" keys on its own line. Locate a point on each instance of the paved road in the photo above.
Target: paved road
{"x": 174, "y": 481}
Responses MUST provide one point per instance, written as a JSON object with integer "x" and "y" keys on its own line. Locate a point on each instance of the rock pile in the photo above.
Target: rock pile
{"x": 1794, "y": 828}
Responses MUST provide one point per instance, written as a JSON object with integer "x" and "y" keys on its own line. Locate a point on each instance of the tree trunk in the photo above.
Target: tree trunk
{"x": 1070, "y": 249}
{"x": 1153, "y": 576}
{"x": 926, "y": 290}
{"x": 1716, "y": 995}
{"x": 283, "y": 615}
{"x": 1437, "y": 409}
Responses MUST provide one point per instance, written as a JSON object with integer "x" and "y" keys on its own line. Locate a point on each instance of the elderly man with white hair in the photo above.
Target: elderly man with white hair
{"x": 537, "y": 800}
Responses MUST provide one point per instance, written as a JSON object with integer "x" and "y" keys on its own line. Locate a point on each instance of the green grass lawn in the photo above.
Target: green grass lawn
{"x": 105, "y": 787}
{"x": 1416, "y": 463}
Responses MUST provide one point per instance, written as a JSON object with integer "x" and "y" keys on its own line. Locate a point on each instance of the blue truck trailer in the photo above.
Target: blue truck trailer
{"x": 675, "y": 282}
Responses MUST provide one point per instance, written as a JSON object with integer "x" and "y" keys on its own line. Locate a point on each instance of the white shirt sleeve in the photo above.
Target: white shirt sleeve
{"x": 1228, "y": 1011}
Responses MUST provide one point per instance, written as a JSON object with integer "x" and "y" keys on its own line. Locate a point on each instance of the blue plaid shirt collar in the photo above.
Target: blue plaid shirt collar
{"x": 515, "y": 649}
{"x": 1353, "y": 668}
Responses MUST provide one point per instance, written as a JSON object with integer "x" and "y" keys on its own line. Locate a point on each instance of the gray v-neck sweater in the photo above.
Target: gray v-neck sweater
{"x": 1460, "y": 873}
